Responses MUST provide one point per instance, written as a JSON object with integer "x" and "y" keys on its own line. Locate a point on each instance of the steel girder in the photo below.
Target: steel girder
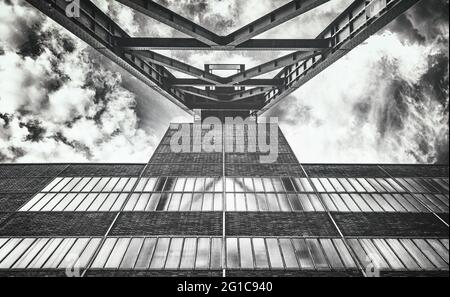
{"x": 98, "y": 30}
{"x": 360, "y": 20}
{"x": 357, "y": 23}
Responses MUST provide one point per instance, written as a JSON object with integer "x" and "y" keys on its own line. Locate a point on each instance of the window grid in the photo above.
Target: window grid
{"x": 204, "y": 253}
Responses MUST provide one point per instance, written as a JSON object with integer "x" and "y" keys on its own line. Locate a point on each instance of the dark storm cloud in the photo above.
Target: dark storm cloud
{"x": 35, "y": 130}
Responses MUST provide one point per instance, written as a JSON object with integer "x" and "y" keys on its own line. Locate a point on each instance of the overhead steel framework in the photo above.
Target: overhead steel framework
{"x": 243, "y": 90}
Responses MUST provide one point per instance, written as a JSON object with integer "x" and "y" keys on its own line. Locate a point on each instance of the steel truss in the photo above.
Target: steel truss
{"x": 243, "y": 90}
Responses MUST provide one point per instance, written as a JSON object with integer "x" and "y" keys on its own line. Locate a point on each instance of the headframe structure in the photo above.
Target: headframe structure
{"x": 243, "y": 90}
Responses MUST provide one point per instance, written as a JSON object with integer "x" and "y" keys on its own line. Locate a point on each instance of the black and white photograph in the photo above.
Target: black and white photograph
{"x": 224, "y": 145}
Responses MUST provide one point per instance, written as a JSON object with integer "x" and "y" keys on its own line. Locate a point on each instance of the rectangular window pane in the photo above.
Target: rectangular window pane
{"x": 120, "y": 184}
{"x": 174, "y": 255}
{"x": 59, "y": 253}
{"x": 316, "y": 253}
{"x": 232, "y": 253}
{"x": 159, "y": 256}
{"x": 101, "y": 184}
{"x": 302, "y": 253}
{"x": 179, "y": 184}
{"x": 145, "y": 255}
{"x": 149, "y": 187}
{"x": 175, "y": 201}
{"x": 274, "y": 253}
{"x": 203, "y": 252}
{"x": 246, "y": 253}
{"x": 186, "y": 201}
{"x": 189, "y": 251}
{"x": 80, "y": 186}
{"x": 331, "y": 253}
{"x": 287, "y": 249}
{"x": 216, "y": 253}
{"x": 141, "y": 184}
{"x": 45, "y": 253}
{"x": 130, "y": 257}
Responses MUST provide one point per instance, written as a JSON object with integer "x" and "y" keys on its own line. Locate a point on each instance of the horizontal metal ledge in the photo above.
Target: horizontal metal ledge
{"x": 185, "y": 82}
{"x": 148, "y": 43}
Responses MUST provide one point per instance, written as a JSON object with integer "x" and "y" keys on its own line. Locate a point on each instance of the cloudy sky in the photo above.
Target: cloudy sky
{"x": 386, "y": 101}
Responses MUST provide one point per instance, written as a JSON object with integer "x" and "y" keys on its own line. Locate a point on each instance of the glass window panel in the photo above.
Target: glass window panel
{"x": 116, "y": 256}
{"x": 170, "y": 184}
{"x": 174, "y": 254}
{"x": 91, "y": 184}
{"x": 179, "y": 184}
{"x": 302, "y": 253}
{"x": 216, "y": 253}
{"x": 383, "y": 203}
{"x": 189, "y": 185}
{"x": 229, "y": 182}
{"x": 443, "y": 185}
{"x": 328, "y": 202}
{"x": 218, "y": 183}
{"x": 189, "y": 251}
{"x": 403, "y": 254}
{"x": 131, "y": 202}
{"x": 258, "y": 184}
{"x": 268, "y": 185}
{"x": 145, "y": 254}
{"x": 385, "y": 184}
{"x": 394, "y": 203}
{"x": 277, "y": 184}
{"x": 150, "y": 186}
{"x": 119, "y": 202}
{"x": 394, "y": 184}
{"x": 42, "y": 202}
{"x": 284, "y": 203}
{"x": 130, "y": 184}
{"x": 404, "y": 203}
{"x": 141, "y": 184}
{"x": 350, "y": 203}
{"x": 61, "y": 184}
{"x": 52, "y": 203}
{"x": 232, "y": 253}
{"x": 327, "y": 185}
{"x": 272, "y": 202}
{"x": 174, "y": 204}
{"x": 289, "y": 187}
{"x": 388, "y": 254}
{"x": 98, "y": 202}
{"x": 373, "y": 254}
{"x": 331, "y": 253}
{"x": 287, "y": 249}
{"x": 53, "y": 183}
{"x": 346, "y": 257}
{"x": 230, "y": 204}
{"x": 74, "y": 253}
{"x": 430, "y": 253}
{"x": 159, "y": 202}
{"x": 197, "y": 202}
{"x": 120, "y": 184}
{"x": 295, "y": 203}
{"x": 240, "y": 202}
{"x": 368, "y": 187}
{"x": 207, "y": 202}
{"x": 16, "y": 253}
{"x": 261, "y": 260}
{"x": 248, "y": 184}
{"x": 346, "y": 184}
{"x": 141, "y": 202}
{"x": 336, "y": 185}
{"x": 360, "y": 202}
{"x": 238, "y": 184}
{"x": 131, "y": 254}
{"x": 274, "y": 253}
{"x": 160, "y": 184}
{"x": 148, "y": 201}
{"x": 218, "y": 201}
{"x": 203, "y": 253}
{"x": 439, "y": 248}
{"x": 419, "y": 185}
{"x": 437, "y": 202}
{"x": 64, "y": 202}
{"x": 422, "y": 198}
{"x": 338, "y": 202}
{"x": 45, "y": 253}
{"x": 104, "y": 253}
{"x": 406, "y": 185}
{"x": 101, "y": 184}
{"x": 316, "y": 253}
{"x": 318, "y": 185}
{"x": 109, "y": 202}
{"x": 32, "y": 202}
{"x": 445, "y": 243}
{"x": 29, "y": 255}
{"x": 199, "y": 184}
{"x": 71, "y": 184}
{"x": 357, "y": 186}
{"x": 186, "y": 201}
{"x": 370, "y": 200}
{"x": 83, "y": 182}
{"x": 59, "y": 253}
{"x": 209, "y": 184}
{"x": 159, "y": 256}
{"x": 88, "y": 252}
{"x": 415, "y": 203}
{"x": 251, "y": 202}
{"x": 111, "y": 184}
{"x": 246, "y": 253}
{"x": 415, "y": 252}
{"x": 361, "y": 253}
{"x": 8, "y": 246}
{"x": 262, "y": 202}
{"x": 444, "y": 200}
